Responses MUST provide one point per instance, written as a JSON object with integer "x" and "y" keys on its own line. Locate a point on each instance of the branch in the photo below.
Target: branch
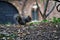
{"x": 39, "y": 8}
{"x": 52, "y": 8}
{"x": 46, "y": 5}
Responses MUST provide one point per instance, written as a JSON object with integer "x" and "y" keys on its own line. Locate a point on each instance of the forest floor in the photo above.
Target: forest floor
{"x": 42, "y": 31}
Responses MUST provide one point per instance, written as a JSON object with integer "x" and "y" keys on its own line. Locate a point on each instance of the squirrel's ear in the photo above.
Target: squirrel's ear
{"x": 28, "y": 19}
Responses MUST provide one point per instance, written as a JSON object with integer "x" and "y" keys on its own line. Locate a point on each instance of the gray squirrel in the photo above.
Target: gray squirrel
{"x": 23, "y": 20}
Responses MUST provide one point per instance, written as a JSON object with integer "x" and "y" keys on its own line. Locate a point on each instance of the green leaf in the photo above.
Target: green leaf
{"x": 58, "y": 20}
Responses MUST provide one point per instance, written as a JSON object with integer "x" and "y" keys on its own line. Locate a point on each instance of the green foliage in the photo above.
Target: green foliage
{"x": 45, "y": 21}
{"x": 56, "y": 20}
